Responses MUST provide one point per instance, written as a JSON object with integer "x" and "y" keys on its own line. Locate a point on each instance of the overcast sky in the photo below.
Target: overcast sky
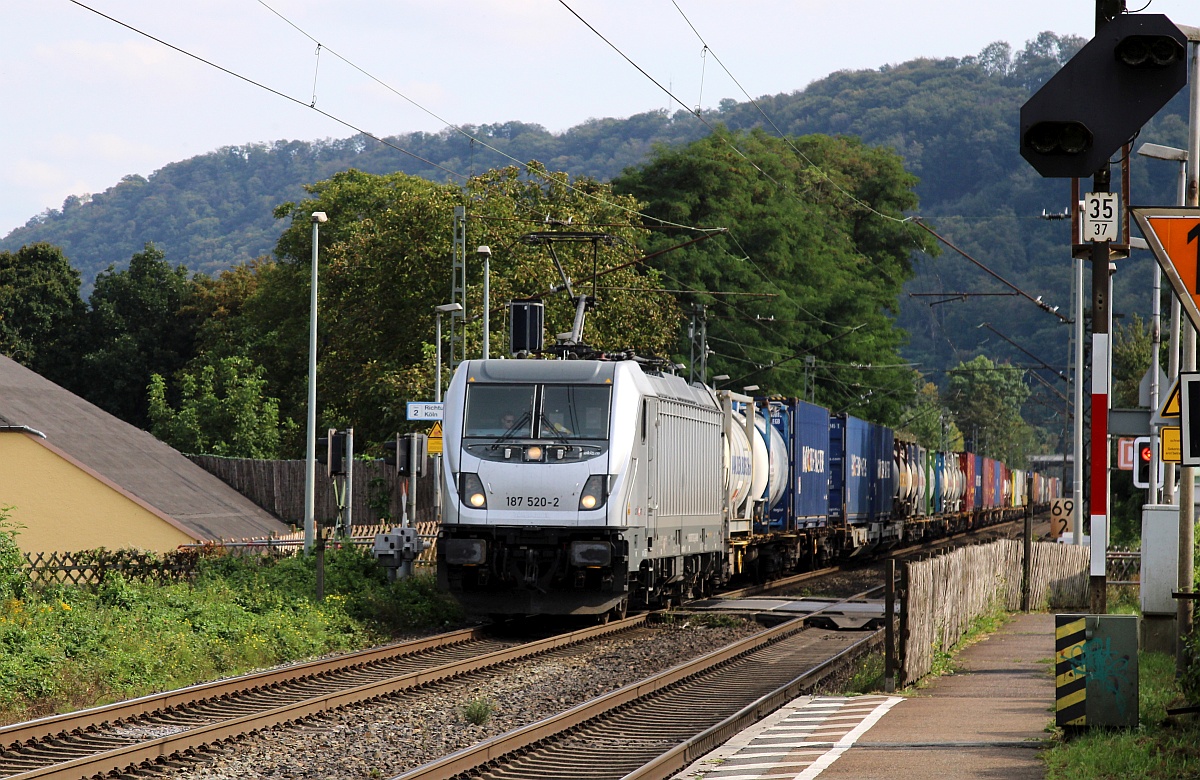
{"x": 86, "y": 101}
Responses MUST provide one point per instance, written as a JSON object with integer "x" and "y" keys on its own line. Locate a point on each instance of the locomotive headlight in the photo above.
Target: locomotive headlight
{"x": 534, "y": 453}
{"x": 593, "y": 494}
{"x": 470, "y": 490}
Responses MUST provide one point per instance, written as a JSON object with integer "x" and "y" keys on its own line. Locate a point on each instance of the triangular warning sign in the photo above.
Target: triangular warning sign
{"x": 1171, "y": 407}
{"x": 436, "y": 431}
{"x": 1173, "y": 234}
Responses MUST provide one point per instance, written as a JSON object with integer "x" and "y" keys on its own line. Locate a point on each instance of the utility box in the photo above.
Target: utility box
{"x": 1096, "y": 670}
{"x": 1160, "y": 558}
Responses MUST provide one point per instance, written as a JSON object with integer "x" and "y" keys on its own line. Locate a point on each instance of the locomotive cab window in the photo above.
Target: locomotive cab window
{"x": 574, "y": 412}
{"x": 557, "y": 412}
{"x": 499, "y": 410}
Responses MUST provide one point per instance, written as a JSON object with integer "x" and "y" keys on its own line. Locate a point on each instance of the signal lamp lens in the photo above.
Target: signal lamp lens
{"x": 1133, "y": 51}
{"x": 1149, "y": 51}
{"x": 1063, "y": 138}
{"x": 1074, "y": 138}
{"x": 1164, "y": 51}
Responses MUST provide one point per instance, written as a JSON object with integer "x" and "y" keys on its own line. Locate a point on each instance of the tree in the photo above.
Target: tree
{"x": 986, "y": 400}
{"x": 1132, "y": 348}
{"x": 385, "y": 262}
{"x": 223, "y": 410}
{"x": 136, "y": 326}
{"x": 40, "y": 308}
{"x": 812, "y": 264}
{"x": 930, "y": 421}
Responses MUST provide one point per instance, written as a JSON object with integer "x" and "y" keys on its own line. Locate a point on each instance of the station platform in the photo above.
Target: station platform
{"x": 986, "y": 720}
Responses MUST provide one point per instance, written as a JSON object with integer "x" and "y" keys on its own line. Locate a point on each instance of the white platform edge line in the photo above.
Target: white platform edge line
{"x": 847, "y": 741}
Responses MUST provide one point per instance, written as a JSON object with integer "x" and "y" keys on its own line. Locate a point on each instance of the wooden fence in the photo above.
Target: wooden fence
{"x": 363, "y": 535}
{"x": 278, "y": 487}
{"x": 90, "y": 567}
{"x": 941, "y": 597}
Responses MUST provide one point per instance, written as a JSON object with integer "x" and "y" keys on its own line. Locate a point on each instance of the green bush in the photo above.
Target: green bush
{"x": 13, "y": 580}
{"x": 64, "y": 647}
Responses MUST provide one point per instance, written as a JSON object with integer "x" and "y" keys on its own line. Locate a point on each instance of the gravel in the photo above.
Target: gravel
{"x": 388, "y": 737}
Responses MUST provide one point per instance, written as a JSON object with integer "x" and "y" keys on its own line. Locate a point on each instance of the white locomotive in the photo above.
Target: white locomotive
{"x": 576, "y": 486}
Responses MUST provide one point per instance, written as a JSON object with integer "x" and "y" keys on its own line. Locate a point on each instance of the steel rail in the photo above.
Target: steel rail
{"x": 51, "y": 725}
{"x": 473, "y": 757}
{"x": 195, "y": 739}
{"x": 683, "y": 755}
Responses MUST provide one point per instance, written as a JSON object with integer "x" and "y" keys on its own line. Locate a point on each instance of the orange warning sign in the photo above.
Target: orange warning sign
{"x": 1174, "y": 236}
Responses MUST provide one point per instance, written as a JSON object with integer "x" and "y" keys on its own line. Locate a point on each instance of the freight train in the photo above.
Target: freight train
{"x": 590, "y": 486}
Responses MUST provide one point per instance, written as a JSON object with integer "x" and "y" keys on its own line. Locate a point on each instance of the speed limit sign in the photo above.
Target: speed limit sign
{"x": 1062, "y": 516}
{"x": 1100, "y": 216}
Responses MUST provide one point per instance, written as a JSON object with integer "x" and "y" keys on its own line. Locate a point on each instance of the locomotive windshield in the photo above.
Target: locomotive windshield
{"x": 537, "y": 411}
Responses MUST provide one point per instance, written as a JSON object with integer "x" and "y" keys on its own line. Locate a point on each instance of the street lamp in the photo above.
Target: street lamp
{"x": 310, "y": 461}
{"x": 445, "y": 308}
{"x": 749, "y": 388}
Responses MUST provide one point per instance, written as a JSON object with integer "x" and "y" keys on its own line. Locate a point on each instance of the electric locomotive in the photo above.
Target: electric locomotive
{"x": 576, "y": 486}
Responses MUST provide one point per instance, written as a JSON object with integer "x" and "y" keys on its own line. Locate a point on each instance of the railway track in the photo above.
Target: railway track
{"x": 124, "y": 736}
{"x": 656, "y": 728}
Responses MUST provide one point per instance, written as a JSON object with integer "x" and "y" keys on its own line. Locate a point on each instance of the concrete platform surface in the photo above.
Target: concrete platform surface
{"x": 987, "y": 720}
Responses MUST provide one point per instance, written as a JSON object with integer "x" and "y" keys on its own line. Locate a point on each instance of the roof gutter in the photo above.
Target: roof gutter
{"x": 21, "y": 429}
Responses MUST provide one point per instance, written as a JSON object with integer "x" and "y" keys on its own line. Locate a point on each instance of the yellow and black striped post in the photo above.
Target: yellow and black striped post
{"x": 1070, "y": 632}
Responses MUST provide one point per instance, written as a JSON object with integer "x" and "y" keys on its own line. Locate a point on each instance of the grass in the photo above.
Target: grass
{"x": 477, "y": 711}
{"x": 64, "y": 648}
{"x": 1161, "y": 748}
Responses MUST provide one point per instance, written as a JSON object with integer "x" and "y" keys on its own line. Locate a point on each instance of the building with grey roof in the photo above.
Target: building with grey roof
{"x": 74, "y": 477}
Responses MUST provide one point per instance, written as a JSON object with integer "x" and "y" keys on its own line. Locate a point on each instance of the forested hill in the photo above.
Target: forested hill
{"x": 953, "y": 120}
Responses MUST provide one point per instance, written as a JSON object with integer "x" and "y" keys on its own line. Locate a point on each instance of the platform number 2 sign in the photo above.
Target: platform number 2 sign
{"x": 1062, "y": 514}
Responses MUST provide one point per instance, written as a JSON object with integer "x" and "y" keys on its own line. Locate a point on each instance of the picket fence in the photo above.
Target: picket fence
{"x": 942, "y": 596}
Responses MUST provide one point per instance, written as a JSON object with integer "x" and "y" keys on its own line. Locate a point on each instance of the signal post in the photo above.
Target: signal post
{"x": 1070, "y": 129}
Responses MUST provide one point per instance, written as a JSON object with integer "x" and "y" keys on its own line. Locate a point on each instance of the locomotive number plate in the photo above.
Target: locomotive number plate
{"x": 533, "y": 502}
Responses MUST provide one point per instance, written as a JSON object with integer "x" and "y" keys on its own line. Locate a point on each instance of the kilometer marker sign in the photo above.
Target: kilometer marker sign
{"x": 1174, "y": 236}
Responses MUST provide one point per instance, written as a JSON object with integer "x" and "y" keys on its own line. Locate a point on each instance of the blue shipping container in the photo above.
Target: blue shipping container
{"x": 979, "y": 482}
{"x": 805, "y": 429}
{"x": 852, "y": 463}
{"x": 883, "y": 477}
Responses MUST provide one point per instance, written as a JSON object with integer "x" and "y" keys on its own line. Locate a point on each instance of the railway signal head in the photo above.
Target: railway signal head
{"x": 331, "y": 451}
{"x": 1143, "y": 457}
{"x": 1103, "y": 95}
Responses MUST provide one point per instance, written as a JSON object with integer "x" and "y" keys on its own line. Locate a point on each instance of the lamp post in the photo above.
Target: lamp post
{"x": 445, "y": 308}
{"x": 1158, "y": 152}
{"x": 1187, "y": 160}
{"x": 310, "y": 461}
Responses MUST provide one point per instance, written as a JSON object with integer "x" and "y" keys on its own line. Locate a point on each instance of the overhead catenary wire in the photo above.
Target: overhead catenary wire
{"x": 456, "y": 128}
{"x": 348, "y": 124}
{"x": 1036, "y": 301}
